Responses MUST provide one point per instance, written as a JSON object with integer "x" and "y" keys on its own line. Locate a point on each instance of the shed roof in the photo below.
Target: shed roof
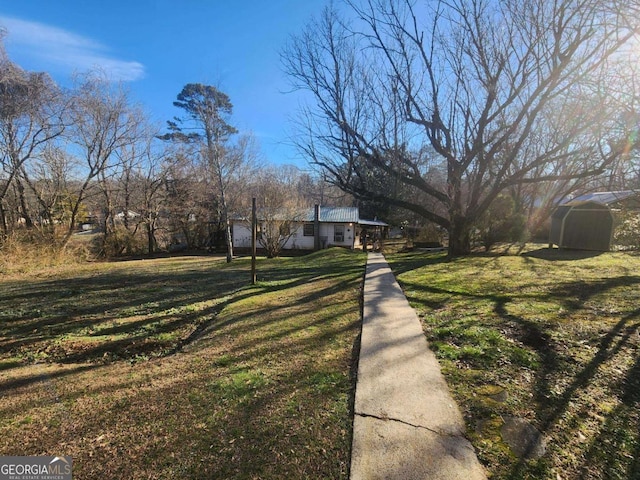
{"x": 606, "y": 198}
{"x": 578, "y": 205}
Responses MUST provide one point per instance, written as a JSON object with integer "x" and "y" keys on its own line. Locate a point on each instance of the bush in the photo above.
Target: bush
{"x": 627, "y": 232}
{"x": 121, "y": 241}
{"x": 431, "y": 234}
{"x": 501, "y": 223}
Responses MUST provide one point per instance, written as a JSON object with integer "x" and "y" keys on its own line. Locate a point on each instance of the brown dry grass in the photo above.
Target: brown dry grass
{"x": 30, "y": 252}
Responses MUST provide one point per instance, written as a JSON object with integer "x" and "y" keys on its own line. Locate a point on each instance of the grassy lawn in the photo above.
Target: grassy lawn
{"x": 176, "y": 368}
{"x": 547, "y": 336}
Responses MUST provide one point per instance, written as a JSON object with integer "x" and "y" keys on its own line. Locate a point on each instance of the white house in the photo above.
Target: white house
{"x": 335, "y": 226}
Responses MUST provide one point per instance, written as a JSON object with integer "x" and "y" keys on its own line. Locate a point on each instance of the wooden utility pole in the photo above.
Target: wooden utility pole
{"x": 316, "y": 227}
{"x": 254, "y": 235}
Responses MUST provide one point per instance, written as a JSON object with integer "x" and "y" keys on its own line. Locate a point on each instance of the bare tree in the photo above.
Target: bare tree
{"x": 103, "y": 123}
{"x": 141, "y": 190}
{"x": 479, "y": 82}
{"x": 31, "y": 117}
{"x": 152, "y": 178}
{"x": 47, "y": 178}
{"x": 127, "y": 193}
{"x": 188, "y": 201}
{"x": 280, "y": 207}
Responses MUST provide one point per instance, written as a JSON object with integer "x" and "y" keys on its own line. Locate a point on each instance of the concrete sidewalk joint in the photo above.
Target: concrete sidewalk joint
{"x": 406, "y": 424}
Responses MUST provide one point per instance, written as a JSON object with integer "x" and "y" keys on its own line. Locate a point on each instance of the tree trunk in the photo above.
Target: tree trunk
{"x": 225, "y": 216}
{"x": 151, "y": 238}
{"x": 23, "y": 205}
{"x": 459, "y": 237}
{"x": 227, "y": 234}
{"x": 3, "y": 220}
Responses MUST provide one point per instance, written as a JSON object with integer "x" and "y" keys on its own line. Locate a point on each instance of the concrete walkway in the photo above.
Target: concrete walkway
{"x": 406, "y": 426}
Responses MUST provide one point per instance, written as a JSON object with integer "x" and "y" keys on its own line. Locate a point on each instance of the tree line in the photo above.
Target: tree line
{"x": 468, "y": 117}
{"x": 88, "y": 158}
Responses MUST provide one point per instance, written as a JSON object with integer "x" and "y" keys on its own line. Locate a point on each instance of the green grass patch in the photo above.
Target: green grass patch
{"x": 549, "y": 336}
{"x": 178, "y": 368}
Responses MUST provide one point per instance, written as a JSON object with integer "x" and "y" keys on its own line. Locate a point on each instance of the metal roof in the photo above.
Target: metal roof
{"x": 605, "y": 198}
{"x": 333, "y": 215}
{"x": 578, "y": 205}
{"x": 372, "y": 223}
{"x": 327, "y": 215}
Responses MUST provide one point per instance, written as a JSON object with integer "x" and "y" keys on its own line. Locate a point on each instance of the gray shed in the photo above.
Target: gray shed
{"x": 582, "y": 225}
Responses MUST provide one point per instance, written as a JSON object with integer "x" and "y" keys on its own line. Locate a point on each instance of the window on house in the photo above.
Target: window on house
{"x": 285, "y": 230}
{"x": 308, "y": 230}
{"x": 338, "y": 233}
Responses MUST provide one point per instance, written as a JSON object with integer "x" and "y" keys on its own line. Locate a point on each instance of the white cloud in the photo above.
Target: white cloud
{"x": 72, "y": 52}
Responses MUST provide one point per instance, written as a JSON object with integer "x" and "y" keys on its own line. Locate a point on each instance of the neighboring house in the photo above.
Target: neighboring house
{"x": 330, "y": 226}
{"x": 131, "y": 215}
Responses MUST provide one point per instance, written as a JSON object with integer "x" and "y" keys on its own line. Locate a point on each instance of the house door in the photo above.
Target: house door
{"x": 338, "y": 233}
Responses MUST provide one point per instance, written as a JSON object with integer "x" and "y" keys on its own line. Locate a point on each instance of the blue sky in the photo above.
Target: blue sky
{"x": 158, "y": 46}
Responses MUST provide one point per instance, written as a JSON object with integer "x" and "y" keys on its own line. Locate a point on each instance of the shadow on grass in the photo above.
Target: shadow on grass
{"x": 556, "y": 254}
{"x": 554, "y": 406}
{"x": 559, "y": 379}
{"x": 7, "y": 386}
{"x": 262, "y": 390}
{"x": 416, "y": 260}
{"x": 144, "y": 312}
{"x": 108, "y": 313}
